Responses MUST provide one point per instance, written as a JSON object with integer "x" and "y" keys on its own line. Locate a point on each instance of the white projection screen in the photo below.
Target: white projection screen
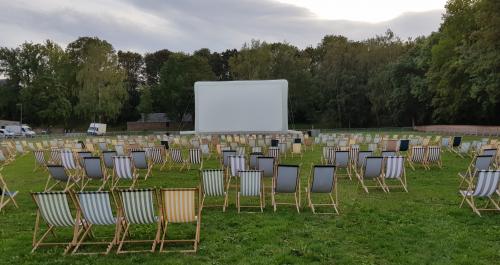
{"x": 241, "y": 106}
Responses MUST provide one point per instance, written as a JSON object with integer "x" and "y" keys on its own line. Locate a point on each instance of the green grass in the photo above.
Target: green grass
{"x": 424, "y": 226}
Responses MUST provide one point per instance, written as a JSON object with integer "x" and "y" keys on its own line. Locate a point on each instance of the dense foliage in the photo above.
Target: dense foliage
{"x": 451, "y": 76}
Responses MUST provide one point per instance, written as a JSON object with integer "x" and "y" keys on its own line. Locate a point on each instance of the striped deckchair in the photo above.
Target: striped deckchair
{"x": 60, "y": 176}
{"x": 464, "y": 149}
{"x": 394, "y": 169}
{"x": 6, "y": 196}
{"x": 360, "y": 161}
{"x": 53, "y": 210}
{"x": 485, "y": 187}
{"x": 250, "y": 185}
{"x": 417, "y": 155}
{"x": 95, "y": 210}
{"x": 93, "y": 171}
{"x": 480, "y": 162}
{"x": 322, "y": 180}
{"x": 158, "y": 156}
{"x": 225, "y": 157}
{"x": 353, "y": 154}
{"x": 176, "y": 158}
{"x": 180, "y": 206}
{"x": 137, "y": 207}
{"x": 287, "y": 181}
{"x": 274, "y": 152}
{"x": 433, "y": 156}
{"x": 141, "y": 162}
{"x": 372, "y": 170}
{"x": 241, "y": 150}
{"x": 120, "y": 150}
{"x": 55, "y": 156}
{"x": 195, "y": 158}
{"x": 40, "y": 161}
{"x": 124, "y": 170}
{"x": 329, "y": 154}
{"x": 69, "y": 163}
{"x": 236, "y": 163}
{"x": 212, "y": 185}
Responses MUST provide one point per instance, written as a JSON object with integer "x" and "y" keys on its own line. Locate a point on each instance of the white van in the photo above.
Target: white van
{"x": 97, "y": 129}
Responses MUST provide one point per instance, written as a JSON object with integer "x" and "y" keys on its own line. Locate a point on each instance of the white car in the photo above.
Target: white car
{"x": 6, "y": 133}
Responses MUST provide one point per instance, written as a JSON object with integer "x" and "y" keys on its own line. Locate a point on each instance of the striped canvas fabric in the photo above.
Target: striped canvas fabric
{"x": 236, "y": 163}
{"x": 433, "y": 153}
{"x": 464, "y": 148}
{"x": 213, "y": 182}
{"x": 240, "y": 150}
{"x": 250, "y": 183}
{"x": 195, "y": 156}
{"x": 68, "y": 160}
{"x": 120, "y": 150}
{"x": 274, "y": 152}
{"x": 40, "y": 157}
{"x": 176, "y": 155}
{"x": 96, "y": 207}
{"x": 179, "y": 205}
{"x": 138, "y": 206}
{"x": 417, "y": 154}
{"x": 55, "y": 156}
{"x": 353, "y": 152}
{"x": 54, "y": 208}
{"x": 123, "y": 167}
{"x": 487, "y": 184}
{"x": 157, "y": 154}
{"x": 394, "y": 167}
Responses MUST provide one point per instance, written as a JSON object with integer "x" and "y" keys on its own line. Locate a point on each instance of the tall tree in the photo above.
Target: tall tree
{"x": 133, "y": 65}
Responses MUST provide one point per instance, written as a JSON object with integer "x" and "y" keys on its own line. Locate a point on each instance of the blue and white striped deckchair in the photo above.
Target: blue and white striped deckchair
{"x": 95, "y": 210}
{"x": 69, "y": 163}
{"x": 53, "y": 209}
{"x": 433, "y": 156}
{"x": 195, "y": 158}
{"x": 394, "y": 169}
{"x": 124, "y": 170}
{"x": 478, "y": 163}
{"x": 40, "y": 161}
{"x": 137, "y": 208}
{"x": 250, "y": 185}
{"x": 158, "y": 156}
{"x": 417, "y": 155}
{"x": 176, "y": 158}
{"x": 274, "y": 152}
{"x": 212, "y": 185}
{"x": 485, "y": 187}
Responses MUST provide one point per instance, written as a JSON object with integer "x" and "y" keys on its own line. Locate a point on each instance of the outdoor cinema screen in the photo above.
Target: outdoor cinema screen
{"x": 241, "y": 106}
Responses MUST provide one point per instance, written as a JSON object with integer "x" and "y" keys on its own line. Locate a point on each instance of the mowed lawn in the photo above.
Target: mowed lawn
{"x": 424, "y": 226}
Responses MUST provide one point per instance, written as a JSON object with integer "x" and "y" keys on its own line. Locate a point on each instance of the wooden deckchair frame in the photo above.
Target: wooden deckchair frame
{"x": 402, "y": 178}
{"x": 203, "y": 195}
{"x": 410, "y": 158}
{"x": 332, "y": 195}
{"x": 261, "y": 196}
{"x": 163, "y": 241}
{"x": 296, "y": 194}
{"x": 379, "y": 180}
{"x": 89, "y": 179}
{"x": 427, "y": 163}
{"x": 470, "y": 199}
{"x": 6, "y": 195}
{"x": 115, "y": 179}
{"x": 67, "y": 186}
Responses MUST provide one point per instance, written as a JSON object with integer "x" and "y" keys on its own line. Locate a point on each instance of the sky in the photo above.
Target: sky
{"x": 188, "y": 25}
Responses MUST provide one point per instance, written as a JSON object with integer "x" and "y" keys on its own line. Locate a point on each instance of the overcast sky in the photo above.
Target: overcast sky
{"x": 187, "y": 25}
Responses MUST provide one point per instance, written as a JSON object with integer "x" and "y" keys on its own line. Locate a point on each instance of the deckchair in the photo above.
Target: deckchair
{"x": 103, "y": 146}
{"x": 353, "y": 154}
{"x": 464, "y": 149}
{"x": 69, "y": 163}
{"x": 124, "y": 169}
{"x": 205, "y": 150}
{"x": 341, "y": 161}
{"x": 3, "y": 159}
{"x": 432, "y": 156}
{"x": 225, "y": 157}
{"x": 287, "y": 181}
{"x": 329, "y": 154}
{"x": 417, "y": 155}
{"x": 158, "y": 156}
{"x": 241, "y": 150}
{"x": 95, "y": 210}
{"x": 257, "y": 149}
{"x": 141, "y": 162}
{"x": 107, "y": 158}
{"x": 137, "y": 207}
{"x": 480, "y": 162}
{"x": 267, "y": 165}
{"x": 455, "y": 145}
{"x": 94, "y": 171}
{"x": 391, "y": 145}
{"x": 40, "y": 161}
{"x": 250, "y": 185}
{"x": 322, "y": 180}
{"x": 394, "y": 169}
{"x": 212, "y": 185}
{"x": 176, "y": 158}
{"x": 404, "y": 145}
{"x": 20, "y": 149}
{"x": 274, "y": 152}
{"x": 180, "y": 206}
{"x": 297, "y": 150}
{"x": 6, "y": 195}
{"x": 53, "y": 209}
{"x": 81, "y": 155}
{"x": 236, "y": 163}
{"x": 60, "y": 176}
{"x": 360, "y": 160}
{"x": 195, "y": 158}
{"x": 372, "y": 170}
{"x": 55, "y": 156}
{"x": 485, "y": 187}
{"x": 253, "y": 159}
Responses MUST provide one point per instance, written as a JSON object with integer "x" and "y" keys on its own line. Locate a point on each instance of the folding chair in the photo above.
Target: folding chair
{"x": 55, "y": 156}
{"x": 287, "y": 181}
{"x": 417, "y": 155}
{"x": 433, "y": 156}
{"x": 322, "y": 180}
{"x": 455, "y": 146}
{"x": 124, "y": 170}
{"x": 53, "y": 209}
{"x": 297, "y": 150}
{"x": 6, "y": 195}
{"x": 137, "y": 208}
{"x": 360, "y": 161}
{"x": 267, "y": 165}
{"x": 61, "y": 177}
{"x": 486, "y": 186}
{"x": 236, "y": 163}
{"x": 81, "y": 155}
{"x": 180, "y": 206}
{"x": 394, "y": 169}
{"x": 480, "y": 162}
{"x": 212, "y": 185}
{"x": 205, "y": 150}
{"x": 69, "y": 163}
{"x": 225, "y": 157}
{"x": 176, "y": 158}
{"x": 404, "y": 145}
{"x": 142, "y": 162}
{"x": 95, "y": 210}
{"x": 195, "y": 158}
{"x": 250, "y": 185}
{"x": 107, "y": 158}
{"x": 341, "y": 161}
{"x": 158, "y": 156}
{"x": 387, "y": 153}
{"x": 464, "y": 149}
{"x": 274, "y": 152}
{"x": 40, "y": 161}
{"x": 372, "y": 170}
{"x": 252, "y": 163}
{"x": 93, "y": 170}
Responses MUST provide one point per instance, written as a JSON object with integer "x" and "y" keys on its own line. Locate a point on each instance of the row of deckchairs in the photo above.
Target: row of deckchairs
{"x": 121, "y": 209}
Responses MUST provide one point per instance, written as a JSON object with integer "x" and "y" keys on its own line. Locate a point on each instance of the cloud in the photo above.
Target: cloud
{"x": 188, "y": 25}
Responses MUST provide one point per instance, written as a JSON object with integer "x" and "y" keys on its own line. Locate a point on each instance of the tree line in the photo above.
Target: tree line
{"x": 450, "y": 76}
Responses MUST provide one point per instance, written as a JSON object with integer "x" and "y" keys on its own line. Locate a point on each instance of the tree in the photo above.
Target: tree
{"x": 153, "y": 63}
{"x": 133, "y": 65}
{"x": 146, "y": 103}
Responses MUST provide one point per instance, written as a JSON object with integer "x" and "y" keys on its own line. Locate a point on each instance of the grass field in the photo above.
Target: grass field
{"x": 424, "y": 226}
